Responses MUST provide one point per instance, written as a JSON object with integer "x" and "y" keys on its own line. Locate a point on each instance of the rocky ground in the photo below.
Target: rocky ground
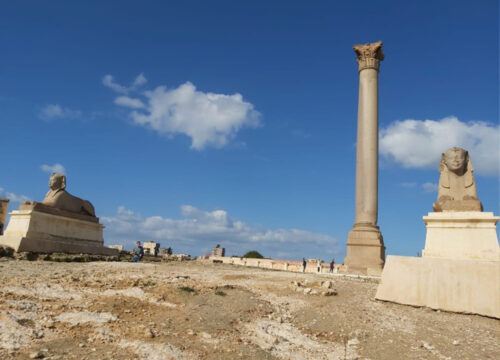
{"x": 195, "y": 310}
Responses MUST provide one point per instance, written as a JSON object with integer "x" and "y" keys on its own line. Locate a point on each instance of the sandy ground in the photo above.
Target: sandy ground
{"x": 194, "y": 310}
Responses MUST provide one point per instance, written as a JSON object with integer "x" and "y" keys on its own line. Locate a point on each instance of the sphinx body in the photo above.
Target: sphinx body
{"x": 59, "y": 198}
{"x": 457, "y": 189}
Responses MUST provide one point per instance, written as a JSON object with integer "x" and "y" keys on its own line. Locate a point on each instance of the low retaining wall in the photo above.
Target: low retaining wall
{"x": 283, "y": 265}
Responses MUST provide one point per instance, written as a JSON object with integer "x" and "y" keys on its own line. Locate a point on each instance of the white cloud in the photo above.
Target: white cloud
{"x": 429, "y": 187}
{"x": 209, "y": 119}
{"x": 200, "y": 230}
{"x": 139, "y": 81}
{"x": 409, "y": 185}
{"x": 13, "y": 197}
{"x": 56, "y": 168}
{"x": 56, "y": 111}
{"x": 110, "y": 82}
{"x": 419, "y": 143}
{"x": 129, "y": 102}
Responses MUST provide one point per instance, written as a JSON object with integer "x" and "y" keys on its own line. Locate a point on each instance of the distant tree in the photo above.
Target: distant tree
{"x": 169, "y": 251}
{"x": 253, "y": 255}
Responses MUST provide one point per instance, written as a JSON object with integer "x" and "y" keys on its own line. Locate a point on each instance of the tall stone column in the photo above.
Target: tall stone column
{"x": 365, "y": 245}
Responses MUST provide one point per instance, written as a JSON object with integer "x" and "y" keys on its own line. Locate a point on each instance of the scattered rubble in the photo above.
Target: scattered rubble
{"x": 118, "y": 310}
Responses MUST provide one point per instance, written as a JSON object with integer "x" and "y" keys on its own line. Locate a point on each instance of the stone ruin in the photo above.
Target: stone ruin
{"x": 218, "y": 251}
{"x": 61, "y": 223}
{"x": 460, "y": 265}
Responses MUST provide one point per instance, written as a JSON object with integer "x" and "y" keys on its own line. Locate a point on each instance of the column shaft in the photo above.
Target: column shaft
{"x": 367, "y": 149}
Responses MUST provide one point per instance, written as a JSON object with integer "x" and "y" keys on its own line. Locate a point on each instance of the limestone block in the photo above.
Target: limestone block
{"x": 461, "y": 235}
{"x": 42, "y": 232}
{"x": 469, "y": 286}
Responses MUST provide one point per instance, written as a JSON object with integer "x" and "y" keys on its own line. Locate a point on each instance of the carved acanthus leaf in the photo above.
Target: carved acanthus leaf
{"x": 369, "y": 55}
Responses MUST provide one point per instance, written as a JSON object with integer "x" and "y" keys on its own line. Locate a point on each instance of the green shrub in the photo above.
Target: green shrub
{"x": 253, "y": 255}
{"x": 187, "y": 289}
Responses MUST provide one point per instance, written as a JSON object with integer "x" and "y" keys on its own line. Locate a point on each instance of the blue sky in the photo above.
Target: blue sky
{"x": 194, "y": 123}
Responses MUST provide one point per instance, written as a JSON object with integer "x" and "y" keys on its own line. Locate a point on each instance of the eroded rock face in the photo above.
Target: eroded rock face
{"x": 457, "y": 187}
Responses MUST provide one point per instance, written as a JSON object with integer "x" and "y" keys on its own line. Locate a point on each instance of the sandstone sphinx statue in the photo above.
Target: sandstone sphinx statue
{"x": 61, "y": 223}
{"x": 457, "y": 187}
{"x": 459, "y": 269}
{"x": 59, "y": 198}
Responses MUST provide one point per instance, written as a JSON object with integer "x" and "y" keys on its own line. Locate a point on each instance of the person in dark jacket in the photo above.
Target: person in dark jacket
{"x": 138, "y": 252}
{"x": 332, "y": 264}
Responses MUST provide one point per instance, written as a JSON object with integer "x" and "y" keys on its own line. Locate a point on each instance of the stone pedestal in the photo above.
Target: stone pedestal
{"x": 35, "y": 230}
{"x": 467, "y": 286}
{"x": 459, "y": 269}
{"x": 365, "y": 251}
{"x": 468, "y": 235}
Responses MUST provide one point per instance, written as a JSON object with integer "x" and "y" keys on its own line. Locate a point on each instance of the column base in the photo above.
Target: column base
{"x": 365, "y": 250}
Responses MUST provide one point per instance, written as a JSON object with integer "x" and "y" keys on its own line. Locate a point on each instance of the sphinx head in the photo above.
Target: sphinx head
{"x": 456, "y": 160}
{"x": 57, "y": 181}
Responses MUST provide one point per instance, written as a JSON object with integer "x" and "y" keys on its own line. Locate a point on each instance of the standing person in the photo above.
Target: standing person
{"x": 319, "y": 265}
{"x": 138, "y": 252}
{"x": 304, "y": 264}
{"x": 332, "y": 264}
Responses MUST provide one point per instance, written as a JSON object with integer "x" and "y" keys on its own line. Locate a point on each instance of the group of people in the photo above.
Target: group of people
{"x": 304, "y": 264}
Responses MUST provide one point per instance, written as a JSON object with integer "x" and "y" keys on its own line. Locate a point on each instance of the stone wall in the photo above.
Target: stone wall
{"x": 283, "y": 265}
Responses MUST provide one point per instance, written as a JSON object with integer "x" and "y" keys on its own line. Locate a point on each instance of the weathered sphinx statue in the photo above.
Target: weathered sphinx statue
{"x": 59, "y": 198}
{"x": 457, "y": 187}
{"x": 61, "y": 223}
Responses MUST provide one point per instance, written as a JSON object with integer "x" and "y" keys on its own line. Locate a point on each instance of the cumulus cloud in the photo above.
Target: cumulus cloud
{"x": 109, "y": 81}
{"x": 419, "y": 143}
{"x": 129, "y": 102}
{"x": 429, "y": 187}
{"x": 198, "y": 231}
{"x": 426, "y": 187}
{"x": 209, "y": 119}
{"x": 56, "y": 168}
{"x": 139, "y": 81}
{"x": 13, "y": 197}
{"x": 56, "y": 111}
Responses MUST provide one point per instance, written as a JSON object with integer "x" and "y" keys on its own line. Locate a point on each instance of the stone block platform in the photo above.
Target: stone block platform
{"x": 467, "y": 286}
{"x": 42, "y": 229}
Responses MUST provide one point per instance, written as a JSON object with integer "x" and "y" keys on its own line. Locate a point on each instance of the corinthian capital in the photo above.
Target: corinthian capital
{"x": 369, "y": 56}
